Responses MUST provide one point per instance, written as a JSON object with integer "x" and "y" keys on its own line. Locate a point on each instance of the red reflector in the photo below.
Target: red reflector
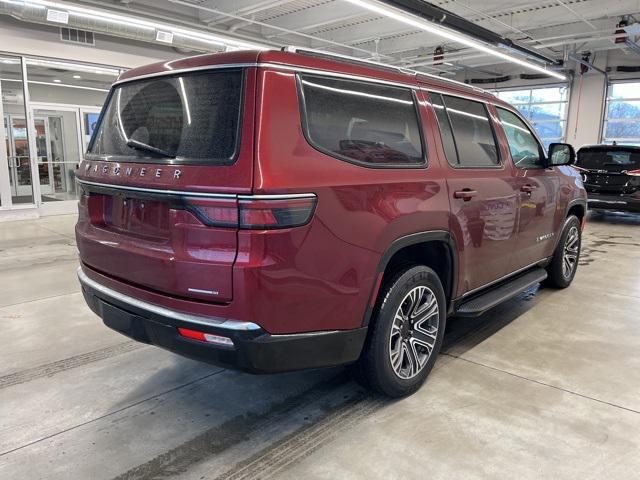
{"x": 276, "y": 213}
{"x": 193, "y": 334}
{"x": 205, "y": 337}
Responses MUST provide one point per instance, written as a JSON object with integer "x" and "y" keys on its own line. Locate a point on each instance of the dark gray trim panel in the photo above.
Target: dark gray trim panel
{"x": 441, "y": 236}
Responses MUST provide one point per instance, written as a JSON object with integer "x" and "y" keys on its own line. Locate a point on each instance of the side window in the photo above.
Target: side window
{"x": 359, "y": 122}
{"x": 472, "y": 131}
{"x": 445, "y": 129}
{"x": 525, "y": 149}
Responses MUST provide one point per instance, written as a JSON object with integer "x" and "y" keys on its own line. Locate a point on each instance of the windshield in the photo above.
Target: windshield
{"x": 617, "y": 160}
{"x": 189, "y": 117}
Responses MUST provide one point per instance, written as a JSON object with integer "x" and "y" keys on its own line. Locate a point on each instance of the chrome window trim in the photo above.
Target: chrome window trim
{"x": 233, "y": 325}
{"x": 275, "y": 196}
{"x": 156, "y": 191}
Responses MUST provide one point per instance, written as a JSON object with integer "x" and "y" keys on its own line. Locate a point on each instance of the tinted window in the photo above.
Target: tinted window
{"x": 472, "y": 132}
{"x": 525, "y": 149}
{"x": 445, "y": 129}
{"x": 613, "y": 160}
{"x": 193, "y": 116}
{"x": 361, "y": 122}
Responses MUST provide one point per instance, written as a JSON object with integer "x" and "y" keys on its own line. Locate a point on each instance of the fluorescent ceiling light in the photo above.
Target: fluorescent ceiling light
{"x": 448, "y": 34}
{"x": 112, "y": 72}
{"x": 98, "y": 14}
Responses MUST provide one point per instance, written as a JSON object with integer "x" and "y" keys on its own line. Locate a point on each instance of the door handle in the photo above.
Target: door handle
{"x": 465, "y": 194}
{"x": 528, "y": 188}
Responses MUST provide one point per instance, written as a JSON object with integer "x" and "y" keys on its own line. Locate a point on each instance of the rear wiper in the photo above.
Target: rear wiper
{"x": 135, "y": 144}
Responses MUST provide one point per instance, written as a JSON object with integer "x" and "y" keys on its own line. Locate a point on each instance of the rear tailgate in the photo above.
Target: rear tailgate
{"x": 609, "y": 169}
{"x": 156, "y": 242}
{"x": 167, "y": 224}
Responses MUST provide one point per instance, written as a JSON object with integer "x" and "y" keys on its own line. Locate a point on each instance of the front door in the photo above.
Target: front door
{"x": 538, "y": 191}
{"x": 482, "y": 191}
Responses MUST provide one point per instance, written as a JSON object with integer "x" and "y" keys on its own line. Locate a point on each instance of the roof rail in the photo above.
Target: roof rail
{"x": 371, "y": 63}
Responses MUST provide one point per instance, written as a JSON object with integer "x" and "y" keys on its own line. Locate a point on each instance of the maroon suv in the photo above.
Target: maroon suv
{"x": 279, "y": 210}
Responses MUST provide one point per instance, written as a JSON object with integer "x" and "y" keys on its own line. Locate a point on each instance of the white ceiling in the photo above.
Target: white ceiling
{"x": 553, "y": 27}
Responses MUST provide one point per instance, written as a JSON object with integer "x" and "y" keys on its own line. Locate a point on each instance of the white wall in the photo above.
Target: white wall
{"x": 44, "y": 41}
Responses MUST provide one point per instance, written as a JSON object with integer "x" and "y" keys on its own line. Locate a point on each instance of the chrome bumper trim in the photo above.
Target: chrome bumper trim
{"x": 232, "y": 325}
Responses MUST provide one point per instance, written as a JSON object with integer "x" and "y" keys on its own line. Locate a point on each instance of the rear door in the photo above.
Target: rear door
{"x": 538, "y": 190}
{"x": 482, "y": 191}
{"x": 160, "y": 181}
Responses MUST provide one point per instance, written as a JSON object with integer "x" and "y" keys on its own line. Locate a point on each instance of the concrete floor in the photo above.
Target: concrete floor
{"x": 547, "y": 385}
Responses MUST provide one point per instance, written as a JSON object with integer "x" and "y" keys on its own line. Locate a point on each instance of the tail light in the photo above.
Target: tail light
{"x": 633, "y": 173}
{"x": 267, "y": 213}
{"x": 214, "y": 212}
{"x": 254, "y": 212}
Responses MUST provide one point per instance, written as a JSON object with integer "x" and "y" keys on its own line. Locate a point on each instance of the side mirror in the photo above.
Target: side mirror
{"x": 561, "y": 154}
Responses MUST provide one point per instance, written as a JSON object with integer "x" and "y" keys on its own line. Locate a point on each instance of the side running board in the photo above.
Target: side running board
{"x": 482, "y": 302}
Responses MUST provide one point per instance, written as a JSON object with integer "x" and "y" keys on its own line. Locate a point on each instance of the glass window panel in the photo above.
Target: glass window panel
{"x": 473, "y": 132}
{"x": 524, "y": 148}
{"x": 544, "y": 105}
{"x": 625, "y": 90}
{"x": 445, "y": 129}
{"x": 362, "y": 122}
{"x": 549, "y": 129}
{"x": 515, "y": 96}
{"x": 621, "y": 109}
{"x": 552, "y": 94}
{"x": 524, "y": 110}
{"x": 548, "y": 141}
{"x": 622, "y": 130}
{"x": 547, "y": 111}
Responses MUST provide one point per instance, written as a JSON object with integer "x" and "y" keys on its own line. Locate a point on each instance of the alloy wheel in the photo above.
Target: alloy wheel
{"x": 414, "y": 332}
{"x": 570, "y": 253}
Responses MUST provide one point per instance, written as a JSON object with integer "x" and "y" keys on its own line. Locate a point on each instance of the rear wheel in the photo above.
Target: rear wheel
{"x": 564, "y": 264}
{"x": 406, "y": 334}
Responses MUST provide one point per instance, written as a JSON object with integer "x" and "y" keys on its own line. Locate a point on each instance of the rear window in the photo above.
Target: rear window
{"x": 191, "y": 117}
{"x": 361, "y": 122}
{"x": 613, "y": 160}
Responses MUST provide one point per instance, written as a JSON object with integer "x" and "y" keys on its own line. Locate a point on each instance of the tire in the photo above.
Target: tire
{"x": 560, "y": 276}
{"x": 412, "y": 339}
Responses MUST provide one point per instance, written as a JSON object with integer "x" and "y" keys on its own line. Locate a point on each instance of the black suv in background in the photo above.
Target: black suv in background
{"x": 611, "y": 176}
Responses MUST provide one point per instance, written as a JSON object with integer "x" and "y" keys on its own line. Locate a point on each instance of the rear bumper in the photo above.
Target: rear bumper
{"x": 625, "y": 203}
{"x": 253, "y": 350}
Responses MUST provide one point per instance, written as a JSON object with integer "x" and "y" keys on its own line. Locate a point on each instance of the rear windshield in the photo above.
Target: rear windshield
{"x": 193, "y": 117}
{"x": 616, "y": 160}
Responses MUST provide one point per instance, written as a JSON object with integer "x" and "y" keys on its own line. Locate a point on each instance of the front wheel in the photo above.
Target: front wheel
{"x": 564, "y": 263}
{"x": 406, "y": 334}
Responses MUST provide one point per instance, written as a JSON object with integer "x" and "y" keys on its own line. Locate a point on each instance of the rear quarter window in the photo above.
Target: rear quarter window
{"x": 359, "y": 122}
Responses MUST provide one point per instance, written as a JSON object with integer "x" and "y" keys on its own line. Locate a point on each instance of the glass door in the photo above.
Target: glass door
{"x": 59, "y": 150}
{"x": 16, "y": 175}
